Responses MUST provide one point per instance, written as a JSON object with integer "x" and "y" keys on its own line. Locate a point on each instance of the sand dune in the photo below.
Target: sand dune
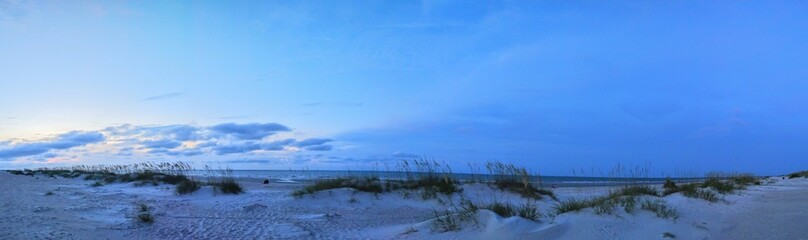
{"x": 74, "y": 210}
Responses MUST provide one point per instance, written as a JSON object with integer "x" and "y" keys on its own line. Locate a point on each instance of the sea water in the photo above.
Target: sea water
{"x": 310, "y": 175}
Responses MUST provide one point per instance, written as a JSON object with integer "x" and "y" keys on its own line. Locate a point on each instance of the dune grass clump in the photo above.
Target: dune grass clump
{"x": 719, "y": 182}
{"x": 629, "y": 203}
{"x": 222, "y": 181}
{"x": 24, "y": 172}
{"x": 501, "y": 209}
{"x": 636, "y": 190}
{"x": 173, "y": 179}
{"x": 143, "y": 214}
{"x": 367, "y": 184}
{"x": 800, "y": 174}
{"x": 229, "y": 186}
{"x": 321, "y": 185}
{"x": 744, "y": 179}
{"x": 432, "y": 185}
{"x": 720, "y": 186}
{"x": 429, "y": 177}
{"x": 188, "y": 187}
{"x": 451, "y": 220}
{"x": 690, "y": 190}
{"x": 660, "y": 208}
{"x": 226, "y": 183}
{"x": 529, "y": 210}
{"x": 445, "y": 221}
{"x": 572, "y": 205}
{"x": 608, "y": 204}
{"x": 669, "y": 187}
{"x": 725, "y": 183}
{"x": 702, "y": 194}
{"x": 626, "y": 197}
{"x": 516, "y": 179}
{"x": 143, "y": 173}
{"x": 604, "y": 205}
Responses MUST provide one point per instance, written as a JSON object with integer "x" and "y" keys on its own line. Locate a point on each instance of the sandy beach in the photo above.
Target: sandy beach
{"x": 61, "y": 208}
{"x": 420, "y": 119}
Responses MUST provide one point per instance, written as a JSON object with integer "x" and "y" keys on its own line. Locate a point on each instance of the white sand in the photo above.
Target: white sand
{"x": 77, "y": 211}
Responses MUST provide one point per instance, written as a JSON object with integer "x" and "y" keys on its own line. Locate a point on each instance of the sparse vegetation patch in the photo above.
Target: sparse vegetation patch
{"x": 430, "y": 178}
{"x": 801, "y": 174}
{"x": 188, "y": 187}
{"x": 143, "y": 214}
{"x": 146, "y": 173}
{"x": 661, "y": 209}
{"x": 225, "y": 182}
{"x": 517, "y": 180}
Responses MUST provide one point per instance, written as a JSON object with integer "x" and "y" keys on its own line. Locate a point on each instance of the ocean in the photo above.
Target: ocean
{"x": 293, "y": 176}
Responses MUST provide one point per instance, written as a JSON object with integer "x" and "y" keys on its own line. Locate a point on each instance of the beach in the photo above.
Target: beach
{"x": 41, "y": 207}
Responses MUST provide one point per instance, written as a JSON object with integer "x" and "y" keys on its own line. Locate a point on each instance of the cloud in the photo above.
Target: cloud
{"x": 319, "y": 148}
{"x": 126, "y": 151}
{"x": 277, "y": 145}
{"x": 162, "y": 96}
{"x": 161, "y": 144}
{"x": 250, "y": 161}
{"x": 184, "y": 152}
{"x": 176, "y": 132}
{"x": 313, "y": 142}
{"x": 64, "y": 141}
{"x": 236, "y": 148}
{"x": 178, "y": 140}
{"x": 250, "y": 131}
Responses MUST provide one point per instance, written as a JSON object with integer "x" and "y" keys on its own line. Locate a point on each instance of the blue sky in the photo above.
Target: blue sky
{"x": 682, "y": 86}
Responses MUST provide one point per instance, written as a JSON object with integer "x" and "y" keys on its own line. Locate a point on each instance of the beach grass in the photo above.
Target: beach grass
{"x": 188, "y": 187}
{"x": 364, "y": 184}
{"x": 624, "y": 196}
{"x": 228, "y": 186}
{"x": 721, "y": 186}
{"x": 800, "y": 174}
{"x": 141, "y": 174}
{"x": 572, "y": 205}
{"x": 660, "y": 208}
{"x": 515, "y": 179}
{"x": 143, "y": 214}
{"x": 223, "y": 181}
{"x": 445, "y": 221}
{"x": 721, "y": 183}
{"x": 429, "y": 178}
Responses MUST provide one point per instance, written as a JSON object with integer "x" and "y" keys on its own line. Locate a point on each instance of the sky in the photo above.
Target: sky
{"x": 560, "y": 87}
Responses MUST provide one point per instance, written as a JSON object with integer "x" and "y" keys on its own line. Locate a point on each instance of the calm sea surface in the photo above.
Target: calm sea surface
{"x": 292, "y": 176}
